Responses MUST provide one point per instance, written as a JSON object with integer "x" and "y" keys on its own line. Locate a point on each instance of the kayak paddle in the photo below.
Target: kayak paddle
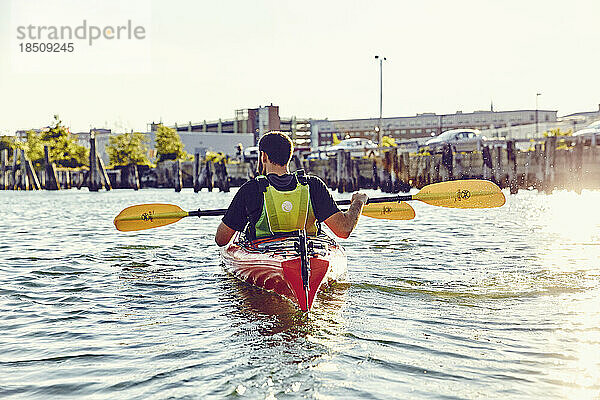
{"x": 147, "y": 216}
{"x": 470, "y": 193}
{"x": 467, "y": 193}
{"x": 395, "y": 211}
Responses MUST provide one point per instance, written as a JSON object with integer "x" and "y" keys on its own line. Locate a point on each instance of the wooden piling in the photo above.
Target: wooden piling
{"x": 539, "y": 166}
{"x": 487, "y": 162}
{"x": 13, "y": 181}
{"x": 355, "y": 177}
{"x": 448, "y": 160}
{"x": 330, "y": 173}
{"x": 340, "y": 167}
{"x": 94, "y": 183}
{"x": 512, "y": 166}
{"x": 578, "y": 161}
{"x": 33, "y": 178}
{"x": 4, "y": 169}
{"x": 550, "y": 159}
{"x": 23, "y": 177}
{"x": 84, "y": 179}
{"x": 196, "y": 172}
{"x": 134, "y": 177}
{"x": 220, "y": 175}
{"x": 103, "y": 173}
{"x": 206, "y": 176}
{"x": 177, "y": 175}
{"x": 394, "y": 171}
{"x": 385, "y": 173}
{"x": 51, "y": 178}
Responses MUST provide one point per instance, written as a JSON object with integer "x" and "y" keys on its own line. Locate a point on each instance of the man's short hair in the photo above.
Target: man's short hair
{"x": 278, "y": 147}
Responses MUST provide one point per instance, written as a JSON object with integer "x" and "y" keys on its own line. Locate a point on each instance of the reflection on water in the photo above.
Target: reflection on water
{"x": 283, "y": 317}
{"x": 454, "y": 304}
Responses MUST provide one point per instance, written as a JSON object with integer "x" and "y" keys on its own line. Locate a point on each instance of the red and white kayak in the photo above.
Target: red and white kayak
{"x": 274, "y": 264}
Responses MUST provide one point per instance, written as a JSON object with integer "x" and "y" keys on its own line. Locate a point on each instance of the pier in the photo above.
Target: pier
{"x": 544, "y": 164}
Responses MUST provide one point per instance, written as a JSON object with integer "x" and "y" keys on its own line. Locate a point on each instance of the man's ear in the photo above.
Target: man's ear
{"x": 264, "y": 157}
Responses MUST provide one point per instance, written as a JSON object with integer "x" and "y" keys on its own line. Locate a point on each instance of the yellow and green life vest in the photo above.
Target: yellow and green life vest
{"x": 285, "y": 211}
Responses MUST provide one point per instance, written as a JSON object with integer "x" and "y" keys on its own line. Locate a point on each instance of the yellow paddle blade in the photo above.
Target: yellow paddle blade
{"x": 392, "y": 210}
{"x": 146, "y": 216}
{"x": 468, "y": 193}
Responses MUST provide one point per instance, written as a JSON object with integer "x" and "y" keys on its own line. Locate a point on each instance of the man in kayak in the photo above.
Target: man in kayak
{"x": 278, "y": 201}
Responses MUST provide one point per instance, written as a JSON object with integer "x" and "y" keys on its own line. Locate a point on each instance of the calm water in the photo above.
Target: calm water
{"x": 454, "y": 304}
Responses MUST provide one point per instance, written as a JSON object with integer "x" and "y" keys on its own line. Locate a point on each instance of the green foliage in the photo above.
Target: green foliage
{"x": 34, "y": 147}
{"x": 557, "y": 132}
{"x": 128, "y": 148}
{"x": 10, "y": 143}
{"x": 388, "y": 141}
{"x": 169, "y": 145}
{"x": 215, "y": 157}
{"x": 63, "y": 148}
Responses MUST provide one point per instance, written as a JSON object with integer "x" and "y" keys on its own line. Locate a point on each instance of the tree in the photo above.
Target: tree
{"x": 63, "y": 148}
{"x": 557, "y": 132}
{"x": 388, "y": 141}
{"x": 34, "y": 147}
{"x": 128, "y": 148}
{"x": 169, "y": 145}
{"x": 10, "y": 143}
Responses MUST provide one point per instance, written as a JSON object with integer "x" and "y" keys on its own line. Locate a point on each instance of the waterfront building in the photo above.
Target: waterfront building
{"x": 424, "y": 125}
{"x": 254, "y": 121}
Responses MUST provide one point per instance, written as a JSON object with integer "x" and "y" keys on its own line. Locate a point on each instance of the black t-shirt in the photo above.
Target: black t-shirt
{"x": 246, "y": 206}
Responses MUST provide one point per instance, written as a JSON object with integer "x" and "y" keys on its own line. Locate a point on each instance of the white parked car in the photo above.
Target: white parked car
{"x": 589, "y": 131}
{"x": 460, "y": 139}
{"x": 358, "y": 147}
{"x": 251, "y": 153}
{"x": 317, "y": 155}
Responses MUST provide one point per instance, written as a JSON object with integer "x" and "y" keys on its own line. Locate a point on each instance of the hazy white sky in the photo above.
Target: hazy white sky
{"x": 316, "y": 59}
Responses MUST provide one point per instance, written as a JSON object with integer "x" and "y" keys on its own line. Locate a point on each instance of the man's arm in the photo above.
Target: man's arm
{"x": 235, "y": 218}
{"x": 343, "y": 223}
{"x": 224, "y": 234}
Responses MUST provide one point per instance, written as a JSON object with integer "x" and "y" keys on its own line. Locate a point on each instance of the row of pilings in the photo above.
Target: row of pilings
{"x": 545, "y": 164}
{"x": 19, "y": 173}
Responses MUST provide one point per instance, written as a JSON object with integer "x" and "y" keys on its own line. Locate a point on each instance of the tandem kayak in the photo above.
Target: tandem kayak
{"x": 275, "y": 264}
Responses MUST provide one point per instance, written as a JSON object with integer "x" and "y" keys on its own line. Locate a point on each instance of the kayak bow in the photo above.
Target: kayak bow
{"x": 275, "y": 264}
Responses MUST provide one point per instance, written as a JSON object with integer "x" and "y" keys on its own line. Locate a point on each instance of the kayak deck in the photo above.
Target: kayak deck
{"x": 274, "y": 264}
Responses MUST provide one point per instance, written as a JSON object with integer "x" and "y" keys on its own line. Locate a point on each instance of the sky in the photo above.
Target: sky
{"x": 315, "y": 59}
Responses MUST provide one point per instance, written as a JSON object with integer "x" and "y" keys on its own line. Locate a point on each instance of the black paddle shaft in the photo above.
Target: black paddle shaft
{"x": 207, "y": 213}
{"x": 222, "y": 211}
{"x": 387, "y": 199}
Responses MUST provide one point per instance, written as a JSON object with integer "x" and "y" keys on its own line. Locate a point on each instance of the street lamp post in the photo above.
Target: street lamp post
{"x": 536, "y": 113}
{"x": 379, "y": 128}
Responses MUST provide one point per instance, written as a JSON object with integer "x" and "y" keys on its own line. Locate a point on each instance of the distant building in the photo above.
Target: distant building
{"x": 570, "y": 122}
{"x": 307, "y": 132}
{"x": 583, "y": 118}
{"x": 423, "y": 125}
{"x": 201, "y": 142}
{"x": 21, "y": 134}
{"x": 254, "y": 121}
{"x": 193, "y": 142}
